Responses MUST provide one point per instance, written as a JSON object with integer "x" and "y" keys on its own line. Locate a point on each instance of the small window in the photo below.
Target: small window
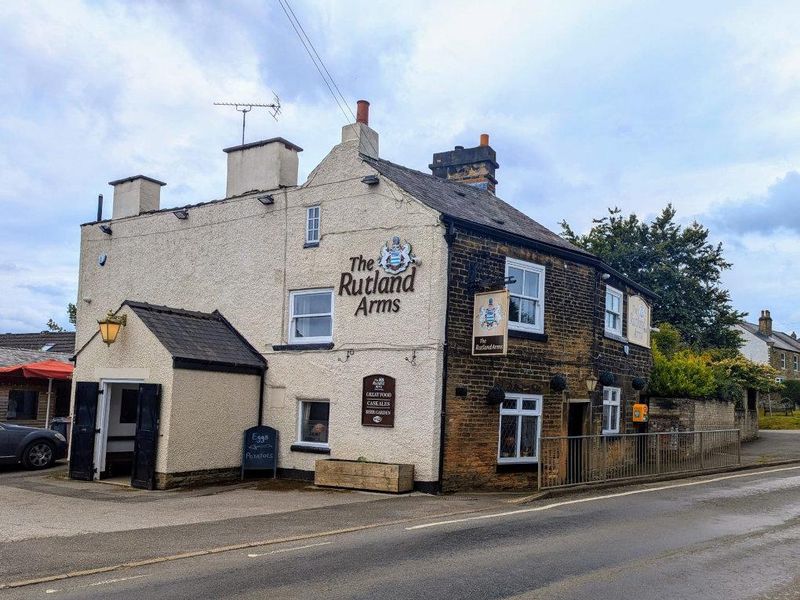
{"x": 520, "y": 428}
{"x": 128, "y": 406}
{"x": 783, "y": 360}
{"x": 311, "y": 316}
{"x": 526, "y": 295}
{"x": 23, "y": 405}
{"x": 47, "y": 347}
{"x": 312, "y": 225}
{"x": 613, "y": 311}
{"x": 796, "y": 363}
{"x": 610, "y": 410}
{"x": 313, "y": 423}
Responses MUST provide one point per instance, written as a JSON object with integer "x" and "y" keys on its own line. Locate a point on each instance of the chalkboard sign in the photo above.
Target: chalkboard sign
{"x": 260, "y": 450}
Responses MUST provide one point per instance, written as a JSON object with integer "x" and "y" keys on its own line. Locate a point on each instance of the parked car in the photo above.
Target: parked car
{"x": 33, "y": 447}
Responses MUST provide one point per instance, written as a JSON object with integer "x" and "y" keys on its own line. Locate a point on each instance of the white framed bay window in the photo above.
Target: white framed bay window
{"x": 312, "y": 225}
{"x": 313, "y": 423}
{"x": 520, "y": 429}
{"x": 614, "y": 301}
{"x": 311, "y": 316}
{"x": 611, "y": 402}
{"x": 526, "y": 295}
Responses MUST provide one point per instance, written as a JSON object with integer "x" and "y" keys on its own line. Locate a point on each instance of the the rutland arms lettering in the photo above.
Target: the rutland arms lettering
{"x": 352, "y": 284}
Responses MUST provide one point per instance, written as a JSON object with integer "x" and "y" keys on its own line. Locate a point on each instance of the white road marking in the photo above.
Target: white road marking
{"x": 289, "y": 549}
{"x": 595, "y": 498}
{"x": 96, "y": 583}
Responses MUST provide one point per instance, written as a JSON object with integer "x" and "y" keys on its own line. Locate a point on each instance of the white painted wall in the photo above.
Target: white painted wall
{"x": 243, "y": 259}
{"x": 753, "y": 348}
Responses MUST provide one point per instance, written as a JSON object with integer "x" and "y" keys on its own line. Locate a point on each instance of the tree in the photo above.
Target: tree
{"x": 677, "y": 263}
{"x": 72, "y": 313}
{"x": 53, "y": 326}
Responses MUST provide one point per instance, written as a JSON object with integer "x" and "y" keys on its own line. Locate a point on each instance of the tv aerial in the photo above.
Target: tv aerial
{"x": 246, "y": 107}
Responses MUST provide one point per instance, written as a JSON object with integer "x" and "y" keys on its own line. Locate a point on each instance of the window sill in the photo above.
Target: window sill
{"x": 309, "y": 449}
{"x": 520, "y": 467}
{"x": 527, "y": 335}
{"x": 311, "y": 245}
{"x": 301, "y": 347}
{"x": 616, "y": 337}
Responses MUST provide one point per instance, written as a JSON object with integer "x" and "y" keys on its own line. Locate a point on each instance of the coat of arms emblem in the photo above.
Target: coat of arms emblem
{"x": 490, "y": 315}
{"x": 395, "y": 257}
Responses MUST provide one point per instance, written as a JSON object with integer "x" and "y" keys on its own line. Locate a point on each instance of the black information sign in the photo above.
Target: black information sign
{"x": 377, "y": 401}
{"x": 260, "y": 450}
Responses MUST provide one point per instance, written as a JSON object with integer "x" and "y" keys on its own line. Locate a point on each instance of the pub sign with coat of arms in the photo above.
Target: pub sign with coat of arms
{"x": 490, "y": 324}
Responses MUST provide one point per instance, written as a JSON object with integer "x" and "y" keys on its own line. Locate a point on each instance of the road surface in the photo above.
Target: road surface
{"x": 726, "y": 536}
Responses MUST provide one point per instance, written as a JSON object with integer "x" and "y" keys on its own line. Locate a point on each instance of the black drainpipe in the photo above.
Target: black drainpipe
{"x": 449, "y": 237}
{"x": 261, "y": 399}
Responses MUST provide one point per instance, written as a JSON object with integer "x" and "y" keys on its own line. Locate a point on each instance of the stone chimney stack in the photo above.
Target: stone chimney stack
{"x": 262, "y": 166}
{"x": 361, "y": 133}
{"x": 135, "y": 195}
{"x": 474, "y": 166}
{"x": 765, "y": 323}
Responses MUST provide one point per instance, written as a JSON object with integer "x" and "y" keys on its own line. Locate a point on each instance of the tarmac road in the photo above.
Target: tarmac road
{"x": 726, "y": 536}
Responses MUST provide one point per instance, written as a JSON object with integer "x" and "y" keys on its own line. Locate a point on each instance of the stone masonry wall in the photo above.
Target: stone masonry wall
{"x": 573, "y": 345}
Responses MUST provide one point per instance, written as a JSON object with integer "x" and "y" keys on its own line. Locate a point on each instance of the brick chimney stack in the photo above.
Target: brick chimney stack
{"x": 474, "y": 166}
{"x": 765, "y": 323}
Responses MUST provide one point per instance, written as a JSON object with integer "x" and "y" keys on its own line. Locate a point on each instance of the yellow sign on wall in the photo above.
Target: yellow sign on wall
{"x": 638, "y": 321}
{"x": 490, "y": 323}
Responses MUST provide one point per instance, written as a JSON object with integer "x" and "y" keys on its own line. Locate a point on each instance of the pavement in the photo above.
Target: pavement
{"x": 771, "y": 446}
{"x": 728, "y": 536}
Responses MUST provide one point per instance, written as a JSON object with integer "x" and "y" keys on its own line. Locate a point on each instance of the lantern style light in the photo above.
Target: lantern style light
{"x": 110, "y": 326}
{"x": 591, "y": 383}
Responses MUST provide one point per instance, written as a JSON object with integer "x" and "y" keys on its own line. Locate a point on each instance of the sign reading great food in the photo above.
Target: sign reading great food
{"x": 490, "y": 323}
{"x": 392, "y": 273}
{"x": 638, "y": 321}
{"x": 377, "y": 401}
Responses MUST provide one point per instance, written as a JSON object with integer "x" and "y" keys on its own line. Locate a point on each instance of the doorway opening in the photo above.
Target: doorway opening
{"x": 577, "y": 425}
{"x": 114, "y": 458}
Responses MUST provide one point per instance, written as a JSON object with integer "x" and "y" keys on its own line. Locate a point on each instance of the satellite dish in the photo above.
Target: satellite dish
{"x": 101, "y": 260}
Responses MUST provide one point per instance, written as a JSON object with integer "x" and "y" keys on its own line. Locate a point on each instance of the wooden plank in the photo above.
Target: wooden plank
{"x": 379, "y": 477}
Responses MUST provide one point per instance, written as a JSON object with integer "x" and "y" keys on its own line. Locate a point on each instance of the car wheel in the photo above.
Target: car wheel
{"x": 38, "y": 455}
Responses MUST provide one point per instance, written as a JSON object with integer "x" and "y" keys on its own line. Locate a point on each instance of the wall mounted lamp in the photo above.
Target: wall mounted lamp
{"x": 110, "y": 326}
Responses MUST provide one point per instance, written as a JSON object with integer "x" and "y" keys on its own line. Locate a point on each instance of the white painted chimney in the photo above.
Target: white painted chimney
{"x": 262, "y": 166}
{"x": 136, "y": 195}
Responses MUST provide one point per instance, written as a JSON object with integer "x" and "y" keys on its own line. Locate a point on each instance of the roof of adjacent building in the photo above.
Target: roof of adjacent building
{"x": 199, "y": 340}
{"x": 779, "y": 339}
{"x": 18, "y": 356}
{"x": 480, "y": 207}
{"x": 469, "y": 203}
{"x": 45, "y": 341}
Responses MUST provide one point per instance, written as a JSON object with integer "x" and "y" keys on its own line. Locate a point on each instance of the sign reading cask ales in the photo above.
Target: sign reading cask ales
{"x": 377, "y": 401}
{"x": 490, "y": 323}
{"x": 638, "y": 321}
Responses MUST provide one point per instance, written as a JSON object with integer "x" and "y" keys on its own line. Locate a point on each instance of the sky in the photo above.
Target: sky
{"x": 589, "y": 105}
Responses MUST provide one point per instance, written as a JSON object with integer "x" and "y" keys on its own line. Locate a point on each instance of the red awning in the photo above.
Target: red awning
{"x": 46, "y": 369}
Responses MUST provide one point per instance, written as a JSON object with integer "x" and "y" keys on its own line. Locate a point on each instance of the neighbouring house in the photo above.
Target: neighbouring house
{"x": 764, "y": 345}
{"x": 341, "y": 313}
{"x": 34, "y": 386}
{"x": 62, "y": 342}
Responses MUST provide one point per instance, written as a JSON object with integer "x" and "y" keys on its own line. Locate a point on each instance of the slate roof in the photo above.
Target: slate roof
{"x": 17, "y": 356}
{"x": 781, "y": 340}
{"x": 469, "y": 203}
{"x": 198, "y": 338}
{"x": 62, "y": 341}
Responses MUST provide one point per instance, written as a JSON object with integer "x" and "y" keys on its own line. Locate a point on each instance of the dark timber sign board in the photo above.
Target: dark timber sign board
{"x": 377, "y": 401}
{"x": 260, "y": 450}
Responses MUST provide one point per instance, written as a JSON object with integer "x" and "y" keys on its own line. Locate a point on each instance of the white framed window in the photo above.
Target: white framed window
{"x": 783, "y": 360}
{"x": 520, "y": 428}
{"x": 611, "y": 397}
{"x": 526, "y": 295}
{"x": 313, "y": 423}
{"x": 312, "y": 224}
{"x": 310, "y": 316}
{"x": 614, "y": 300}
{"x": 796, "y": 363}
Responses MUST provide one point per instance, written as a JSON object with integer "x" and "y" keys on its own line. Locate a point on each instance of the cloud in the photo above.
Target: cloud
{"x": 774, "y": 210}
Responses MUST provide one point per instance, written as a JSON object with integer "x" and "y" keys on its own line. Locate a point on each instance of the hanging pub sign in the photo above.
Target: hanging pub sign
{"x": 377, "y": 401}
{"x": 638, "y": 321}
{"x": 490, "y": 324}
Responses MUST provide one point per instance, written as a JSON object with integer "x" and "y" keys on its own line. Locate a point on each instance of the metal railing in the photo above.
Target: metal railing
{"x": 579, "y": 460}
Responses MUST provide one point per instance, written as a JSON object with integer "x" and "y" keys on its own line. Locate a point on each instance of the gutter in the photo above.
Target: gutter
{"x": 587, "y": 259}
